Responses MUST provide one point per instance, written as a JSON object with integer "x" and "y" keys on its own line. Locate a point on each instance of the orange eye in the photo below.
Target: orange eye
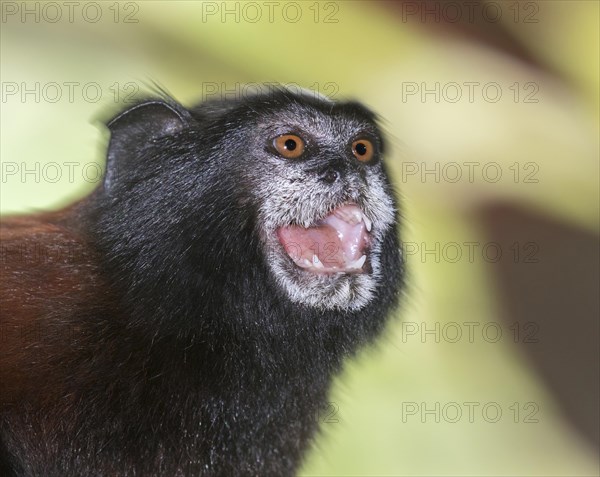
{"x": 289, "y": 146}
{"x": 363, "y": 150}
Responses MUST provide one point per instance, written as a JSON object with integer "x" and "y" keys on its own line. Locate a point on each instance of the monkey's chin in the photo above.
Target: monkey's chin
{"x": 337, "y": 244}
{"x": 326, "y": 291}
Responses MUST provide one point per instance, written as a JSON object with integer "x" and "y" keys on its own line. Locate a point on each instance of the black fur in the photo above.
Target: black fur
{"x": 193, "y": 361}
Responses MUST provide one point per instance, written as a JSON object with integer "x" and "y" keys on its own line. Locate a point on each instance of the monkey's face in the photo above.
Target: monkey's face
{"x": 324, "y": 202}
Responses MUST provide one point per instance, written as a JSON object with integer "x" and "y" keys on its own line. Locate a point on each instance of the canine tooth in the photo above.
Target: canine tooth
{"x": 304, "y": 263}
{"x": 368, "y": 222}
{"x": 358, "y": 263}
{"x": 361, "y": 261}
{"x": 316, "y": 262}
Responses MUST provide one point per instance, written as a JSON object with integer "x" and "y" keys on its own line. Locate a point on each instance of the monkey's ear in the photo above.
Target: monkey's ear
{"x": 136, "y": 127}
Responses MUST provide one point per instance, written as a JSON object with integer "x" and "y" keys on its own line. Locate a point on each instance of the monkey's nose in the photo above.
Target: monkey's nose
{"x": 330, "y": 175}
{"x": 333, "y": 170}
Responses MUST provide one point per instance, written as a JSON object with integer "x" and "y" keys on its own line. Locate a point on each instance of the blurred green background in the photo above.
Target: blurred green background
{"x": 492, "y": 112}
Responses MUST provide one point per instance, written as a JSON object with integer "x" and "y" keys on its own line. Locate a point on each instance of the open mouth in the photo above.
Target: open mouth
{"x": 336, "y": 244}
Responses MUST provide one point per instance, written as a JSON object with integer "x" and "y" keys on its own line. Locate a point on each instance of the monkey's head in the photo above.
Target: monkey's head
{"x": 324, "y": 203}
{"x": 280, "y": 191}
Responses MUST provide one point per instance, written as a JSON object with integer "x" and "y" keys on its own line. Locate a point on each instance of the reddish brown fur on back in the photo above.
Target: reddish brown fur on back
{"x": 46, "y": 272}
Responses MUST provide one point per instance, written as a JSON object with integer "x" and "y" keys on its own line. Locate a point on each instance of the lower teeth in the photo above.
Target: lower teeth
{"x": 317, "y": 264}
{"x": 358, "y": 263}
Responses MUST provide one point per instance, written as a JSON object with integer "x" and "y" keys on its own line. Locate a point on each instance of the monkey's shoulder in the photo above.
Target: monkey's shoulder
{"x": 40, "y": 252}
{"x": 47, "y": 271}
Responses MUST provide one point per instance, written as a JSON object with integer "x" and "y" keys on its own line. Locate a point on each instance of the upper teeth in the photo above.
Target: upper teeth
{"x": 353, "y": 217}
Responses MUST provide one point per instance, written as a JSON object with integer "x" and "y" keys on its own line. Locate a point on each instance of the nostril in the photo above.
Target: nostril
{"x": 330, "y": 175}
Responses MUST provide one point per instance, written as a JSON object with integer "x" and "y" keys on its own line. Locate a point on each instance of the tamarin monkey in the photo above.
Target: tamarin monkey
{"x": 187, "y": 317}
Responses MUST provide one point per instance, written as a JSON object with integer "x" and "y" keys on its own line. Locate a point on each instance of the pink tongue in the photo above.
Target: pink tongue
{"x": 334, "y": 241}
